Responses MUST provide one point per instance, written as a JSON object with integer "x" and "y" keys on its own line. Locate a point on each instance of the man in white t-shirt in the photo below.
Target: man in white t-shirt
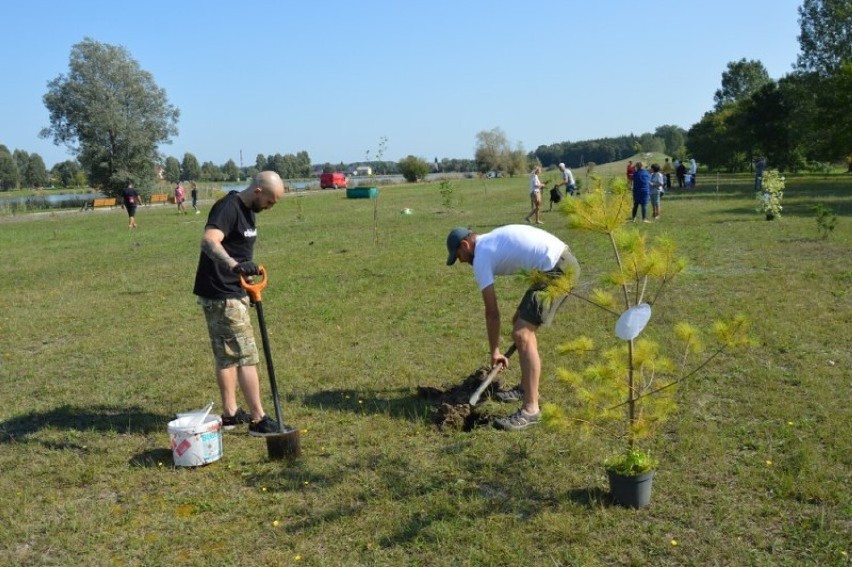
{"x": 567, "y": 179}
{"x": 506, "y": 251}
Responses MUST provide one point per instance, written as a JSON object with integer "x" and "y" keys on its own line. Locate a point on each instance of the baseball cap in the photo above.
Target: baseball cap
{"x": 561, "y": 164}
{"x": 453, "y": 240}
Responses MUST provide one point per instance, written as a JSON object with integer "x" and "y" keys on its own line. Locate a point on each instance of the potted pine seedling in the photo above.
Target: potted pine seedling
{"x": 626, "y": 388}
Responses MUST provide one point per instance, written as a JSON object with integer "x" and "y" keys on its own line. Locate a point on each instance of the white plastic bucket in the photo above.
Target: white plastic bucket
{"x": 194, "y": 444}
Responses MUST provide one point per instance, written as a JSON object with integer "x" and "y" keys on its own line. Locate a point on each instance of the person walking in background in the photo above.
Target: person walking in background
{"x": 693, "y": 170}
{"x": 535, "y": 196}
{"x": 680, "y": 170}
{"x": 180, "y": 197}
{"x": 194, "y": 194}
{"x": 631, "y": 171}
{"x": 641, "y": 191}
{"x": 130, "y": 200}
{"x": 658, "y": 188}
{"x": 555, "y": 196}
{"x": 667, "y": 173}
{"x": 227, "y": 250}
{"x": 506, "y": 251}
{"x": 567, "y": 179}
{"x": 759, "y": 167}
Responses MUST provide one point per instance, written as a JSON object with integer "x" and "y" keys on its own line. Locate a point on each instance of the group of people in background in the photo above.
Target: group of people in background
{"x": 537, "y": 186}
{"x": 685, "y": 172}
{"x": 130, "y": 199}
{"x": 647, "y": 186}
{"x": 180, "y": 198}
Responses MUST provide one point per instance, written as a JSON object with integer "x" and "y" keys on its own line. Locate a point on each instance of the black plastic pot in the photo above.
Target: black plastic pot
{"x": 631, "y": 491}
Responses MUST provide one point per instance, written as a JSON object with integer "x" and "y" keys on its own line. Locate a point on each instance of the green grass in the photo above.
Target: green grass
{"x": 102, "y": 342}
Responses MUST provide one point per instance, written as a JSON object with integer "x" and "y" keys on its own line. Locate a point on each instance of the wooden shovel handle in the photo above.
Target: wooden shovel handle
{"x": 474, "y": 399}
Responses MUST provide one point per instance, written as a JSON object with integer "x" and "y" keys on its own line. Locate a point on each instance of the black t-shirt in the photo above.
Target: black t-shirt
{"x": 231, "y": 216}
{"x": 130, "y": 197}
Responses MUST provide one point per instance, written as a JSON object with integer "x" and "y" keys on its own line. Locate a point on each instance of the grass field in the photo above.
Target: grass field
{"x": 101, "y": 342}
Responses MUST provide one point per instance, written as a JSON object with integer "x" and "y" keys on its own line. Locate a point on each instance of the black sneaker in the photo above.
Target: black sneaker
{"x": 231, "y": 421}
{"x": 263, "y": 427}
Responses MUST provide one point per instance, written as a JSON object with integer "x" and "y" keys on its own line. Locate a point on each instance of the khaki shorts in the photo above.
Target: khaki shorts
{"x": 533, "y": 308}
{"x": 231, "y": 333}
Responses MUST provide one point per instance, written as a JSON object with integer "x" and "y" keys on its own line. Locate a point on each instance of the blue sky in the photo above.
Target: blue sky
{"x": 334, "y": 77}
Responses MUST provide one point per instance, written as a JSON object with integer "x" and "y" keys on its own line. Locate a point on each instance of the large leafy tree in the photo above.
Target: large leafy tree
{"x": 210, "y": 171}
{"x": 67, "y": 173}
{"x": 230, "y": 171}
{"x": 719, "y": 140}
{"x": 835, "y": 110}
{"x": 190, "y": 169}
{"x": 674, "y": 138}
{"x": 822, "y": 79}
{"x": 110, "y": 113}
{"x": 740, "y": 81}
{"x": 492, "y": 150}
{"x": 35, "y": 174}
{"x": 31, "y": 169}
{"x": 767, "y": 127}
{"x": 22, "y": 160}
{"x": 171, "y": 170}
{"x": 8, "y": 170}
{"x": 290, "y": 166}
{"x": 826, "y": 36}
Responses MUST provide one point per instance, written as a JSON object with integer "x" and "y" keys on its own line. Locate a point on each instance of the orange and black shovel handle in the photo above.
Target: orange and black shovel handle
{"x": 253, "y": 289}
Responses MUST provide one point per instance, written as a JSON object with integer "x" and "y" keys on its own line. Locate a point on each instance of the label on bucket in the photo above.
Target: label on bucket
{"x": 181, "y": 449}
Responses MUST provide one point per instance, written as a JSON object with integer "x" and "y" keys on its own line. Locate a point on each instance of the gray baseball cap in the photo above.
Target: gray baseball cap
{"x": 453, "y": 240}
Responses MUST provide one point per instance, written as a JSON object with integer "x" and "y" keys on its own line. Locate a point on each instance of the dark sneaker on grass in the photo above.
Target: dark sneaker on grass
{"x": 516, "y": 394}
{"x": 517, "y": 421}
{"x": 263, "y": 427}
{"x": 231, "y": 421}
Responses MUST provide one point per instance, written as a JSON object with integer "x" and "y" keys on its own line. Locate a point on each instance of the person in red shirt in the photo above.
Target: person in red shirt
{"x": 631, "y": 169}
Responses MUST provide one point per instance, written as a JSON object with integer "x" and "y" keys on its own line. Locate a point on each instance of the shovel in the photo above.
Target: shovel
{"x": 286, "y": 442}
{"x": 474, "y": 399}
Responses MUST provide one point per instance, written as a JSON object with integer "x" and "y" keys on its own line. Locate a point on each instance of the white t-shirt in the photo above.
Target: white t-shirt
{"x": 535, "y": 184}
{"x": 568, "y": 177}
{"x": 506, "y": 250}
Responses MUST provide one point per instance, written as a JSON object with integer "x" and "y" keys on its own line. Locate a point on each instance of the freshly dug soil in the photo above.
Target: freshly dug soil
{"x": 451, "y": 408}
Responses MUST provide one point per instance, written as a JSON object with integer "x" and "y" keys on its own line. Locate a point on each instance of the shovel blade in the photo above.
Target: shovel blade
{"x": 285, "y": 445}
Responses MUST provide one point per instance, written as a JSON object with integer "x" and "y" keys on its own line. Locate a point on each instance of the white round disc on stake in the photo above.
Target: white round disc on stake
{"x": 632, "y": 321}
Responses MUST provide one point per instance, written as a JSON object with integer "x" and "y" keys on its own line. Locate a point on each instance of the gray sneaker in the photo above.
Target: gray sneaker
{"x": 517, "y": 421}
{"x": 516, "y": 394}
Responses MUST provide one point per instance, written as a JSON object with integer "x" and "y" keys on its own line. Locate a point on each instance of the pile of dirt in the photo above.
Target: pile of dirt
{"x": 452, "y": 408}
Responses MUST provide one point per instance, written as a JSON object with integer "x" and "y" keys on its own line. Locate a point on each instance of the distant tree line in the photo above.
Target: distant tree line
{"x": 667, "y": 139}
{"x": 19, "y": 168}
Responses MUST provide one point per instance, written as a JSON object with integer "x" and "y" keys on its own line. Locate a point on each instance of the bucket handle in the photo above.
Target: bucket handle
{"x": 254, "y": 288}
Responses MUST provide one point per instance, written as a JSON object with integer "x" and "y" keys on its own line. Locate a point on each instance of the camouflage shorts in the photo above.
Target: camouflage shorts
{"x": 533, "y": 307}
{"x": 231, "y": 333}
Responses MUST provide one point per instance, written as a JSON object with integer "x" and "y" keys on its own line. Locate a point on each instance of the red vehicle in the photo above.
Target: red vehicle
{"x": 333, "y": 181}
